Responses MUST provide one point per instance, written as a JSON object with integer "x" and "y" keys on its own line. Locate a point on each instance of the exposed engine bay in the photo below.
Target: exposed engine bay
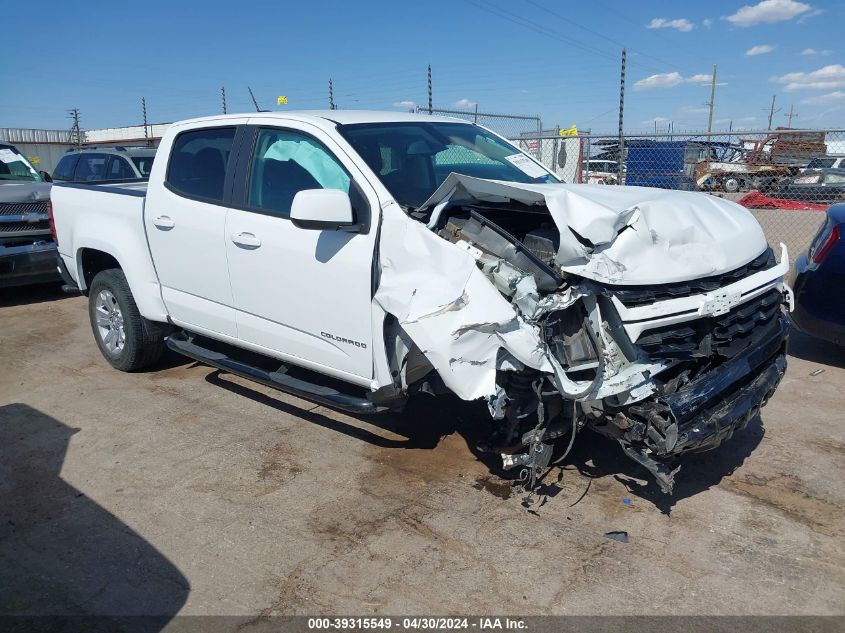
{"x": 663, "y": 369}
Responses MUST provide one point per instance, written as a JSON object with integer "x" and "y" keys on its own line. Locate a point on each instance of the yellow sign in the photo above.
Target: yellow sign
{"x": 281, "y": 101}
{"x": 35, "y": 160}
{"x": 572, "y": 131}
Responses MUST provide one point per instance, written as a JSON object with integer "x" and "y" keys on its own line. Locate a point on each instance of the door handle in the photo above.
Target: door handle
{"x": 164, "y": 222}
{"x": 247, "y": 240}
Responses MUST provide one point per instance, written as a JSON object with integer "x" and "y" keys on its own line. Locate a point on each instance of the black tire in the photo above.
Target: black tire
{"x": 143, "y": 340}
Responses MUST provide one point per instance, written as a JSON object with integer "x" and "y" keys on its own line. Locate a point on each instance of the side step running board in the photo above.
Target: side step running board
{"x": 278, "y": 380}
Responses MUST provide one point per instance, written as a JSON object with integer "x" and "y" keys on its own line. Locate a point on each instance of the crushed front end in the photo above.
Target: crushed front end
{"x": 722, "y": 341}
{"x": 664, "y": 367}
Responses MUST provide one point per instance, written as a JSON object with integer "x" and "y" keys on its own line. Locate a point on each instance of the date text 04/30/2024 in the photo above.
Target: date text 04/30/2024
{"x": 418, "y": 623}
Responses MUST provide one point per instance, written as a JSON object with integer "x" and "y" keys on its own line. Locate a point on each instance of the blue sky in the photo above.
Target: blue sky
{"x": 556, "y": 59}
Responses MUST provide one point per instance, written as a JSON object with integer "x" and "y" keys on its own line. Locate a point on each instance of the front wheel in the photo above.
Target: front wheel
{"x": 126, "y": 340}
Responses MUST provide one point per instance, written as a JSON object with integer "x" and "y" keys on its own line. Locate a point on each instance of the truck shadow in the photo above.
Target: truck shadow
{"x": 27, "y": 295}
{"x": 422, "y": 425}
{"x": 66, "y": 563}
{"x": 597, "y": 457}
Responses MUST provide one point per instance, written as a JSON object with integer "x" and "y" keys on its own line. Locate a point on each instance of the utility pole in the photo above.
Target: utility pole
{"x": 332, "y": 106}
{"x": 772, "y": 111}
{"x": 75, "y": 130}
{"x": 621, "y": 161}
{"x": 712, "y": 101}
{"x": 223, "y": 94}
{"x": 790, "y": 116}
{"x": 147, "y": 141}
{"x": 430, "y": 109}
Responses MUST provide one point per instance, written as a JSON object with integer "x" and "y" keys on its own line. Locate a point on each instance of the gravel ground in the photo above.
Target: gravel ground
{"x": 184, "y": 490}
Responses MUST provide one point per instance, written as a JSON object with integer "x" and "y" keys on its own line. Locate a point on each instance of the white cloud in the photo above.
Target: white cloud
{"x": 670, "y": 80}
{"x": 695, "y": 109}
{"x": 659, "y": 120}
{"x": 405, "y": 105}
{"x": 681, "y": 24}
{"x": 811, "y": 52}
{"x": 661, "y": 80}
{"x": 736, "y": 121}
{"x": 464, "y": 103}
{"x": 837, "y": 96}
{"x": 832, "y": 76}
{"x": 760, "y": 49}
{"x": 707, "y": 23}
{"x": 767, "y": 12}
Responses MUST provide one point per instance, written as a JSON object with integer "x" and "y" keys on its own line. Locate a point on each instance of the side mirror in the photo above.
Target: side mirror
{"x": 323, "y": 210}
{"x": 45, "y": 176}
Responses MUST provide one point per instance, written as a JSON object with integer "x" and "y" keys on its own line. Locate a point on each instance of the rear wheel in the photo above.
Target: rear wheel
{"x": 731, "y": 185}
{"x": 126, "y": 340}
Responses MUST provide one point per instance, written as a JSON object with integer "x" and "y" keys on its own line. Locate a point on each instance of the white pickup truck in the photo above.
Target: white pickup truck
{"x": 395, "y": 253}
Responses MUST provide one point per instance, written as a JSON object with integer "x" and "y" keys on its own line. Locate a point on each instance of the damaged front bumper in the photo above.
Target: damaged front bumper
{"x": 708, "y": 410}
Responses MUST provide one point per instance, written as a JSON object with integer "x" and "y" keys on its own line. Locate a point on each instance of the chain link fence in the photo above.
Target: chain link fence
{"x": 786, "y": 178}
{"x": 508, "y": 125}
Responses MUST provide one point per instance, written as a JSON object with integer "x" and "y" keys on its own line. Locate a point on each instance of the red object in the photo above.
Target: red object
{"x": 756, "y": 200}
{"x": 52, "y": 222}
{"x": 826, "y": 242}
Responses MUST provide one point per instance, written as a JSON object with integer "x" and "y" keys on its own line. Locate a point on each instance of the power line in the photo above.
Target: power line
{"x": 570, "y": 21}
{"x": 223, "y": 95}
{"x": 537, "y": 28}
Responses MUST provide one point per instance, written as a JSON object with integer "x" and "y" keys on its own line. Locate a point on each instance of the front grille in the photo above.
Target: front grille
{"x": 725, "y": 335}
{"x": 19, "y": 208}
{"x": 632, "y": 296}
{"x": 22, "y": 219}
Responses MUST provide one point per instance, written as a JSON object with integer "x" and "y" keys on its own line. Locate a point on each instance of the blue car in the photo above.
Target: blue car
{"x": 820, "y": 280}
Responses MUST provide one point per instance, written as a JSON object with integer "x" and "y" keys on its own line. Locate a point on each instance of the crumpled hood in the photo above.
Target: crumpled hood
{"x": 629, "y": 235}
{"x": 11, "y": 191}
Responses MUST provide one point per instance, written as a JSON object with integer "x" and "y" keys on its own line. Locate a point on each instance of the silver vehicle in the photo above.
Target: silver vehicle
{"x": 93, "y": 164}
{"x": 27, "y": 248}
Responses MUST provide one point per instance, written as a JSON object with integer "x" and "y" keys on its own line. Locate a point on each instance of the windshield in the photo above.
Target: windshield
{"x": 13, "y": 166}
{"x": 821, "y": 163}
{"x": 413, "y": 159}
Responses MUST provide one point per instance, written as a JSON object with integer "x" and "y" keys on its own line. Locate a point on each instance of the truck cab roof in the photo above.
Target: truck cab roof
{"x": 338, "y": 117}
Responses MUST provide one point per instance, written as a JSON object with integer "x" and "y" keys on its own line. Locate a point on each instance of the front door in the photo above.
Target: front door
{"x": 305, "y": 294}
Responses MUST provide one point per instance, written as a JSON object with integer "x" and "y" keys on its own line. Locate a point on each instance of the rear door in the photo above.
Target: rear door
{"x": 304, "y": 294}
{"x": 185, "y": 218}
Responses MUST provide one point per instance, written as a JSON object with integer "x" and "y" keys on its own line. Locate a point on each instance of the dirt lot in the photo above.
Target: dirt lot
{"x": 186, "y": 490}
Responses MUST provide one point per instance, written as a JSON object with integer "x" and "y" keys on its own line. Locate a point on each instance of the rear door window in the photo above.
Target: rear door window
{"x": 198, "y": 160}
{"x": 91, "y": 167}
{"x": 144, "y": 164}
{"x": 120, "y": 169}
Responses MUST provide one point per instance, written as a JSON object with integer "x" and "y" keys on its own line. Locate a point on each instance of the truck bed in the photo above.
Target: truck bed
{"x": 133, "y": 188}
